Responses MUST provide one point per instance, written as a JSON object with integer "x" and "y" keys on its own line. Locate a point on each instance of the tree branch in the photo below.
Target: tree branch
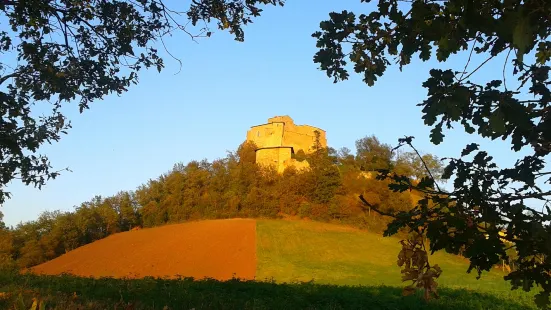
{"x": 408, "y": 141}
{"x": 63, "y": 28}
{"x": 477, "y": 68}
{"x": 375, "y": 208}
{"x": 8, "y": 3}
{"x": 520, "y": 197}
{"x": 504, "y": 66}
{"x": 7, "y": 77}
{"x": 541, "y": 174}
{"x": 469, "y": 60}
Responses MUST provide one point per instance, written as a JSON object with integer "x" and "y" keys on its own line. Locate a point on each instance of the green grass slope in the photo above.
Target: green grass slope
{"x": 290, "y": 251}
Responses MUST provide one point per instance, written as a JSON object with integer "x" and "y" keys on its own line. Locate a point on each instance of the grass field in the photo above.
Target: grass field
{"x": 333, "y": 254}
{"x": 350, "y": 269}
{"x": 290, "y": 251}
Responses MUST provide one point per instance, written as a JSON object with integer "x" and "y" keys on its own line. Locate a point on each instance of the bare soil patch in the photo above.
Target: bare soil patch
{"x": 219, "y": 249}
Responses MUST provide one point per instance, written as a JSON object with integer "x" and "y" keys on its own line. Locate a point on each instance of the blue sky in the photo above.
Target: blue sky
{"x": 224, "y": 88}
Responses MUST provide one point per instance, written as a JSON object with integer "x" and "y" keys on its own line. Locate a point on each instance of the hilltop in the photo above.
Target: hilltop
{"x": 239, "y": 185}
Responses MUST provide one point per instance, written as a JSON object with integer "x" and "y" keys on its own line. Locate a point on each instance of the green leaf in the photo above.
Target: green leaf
{"x": 542, "y": 300}
{"x": 469, "y": 149}
{"x": 521, "y": 36}
{"x": 448, "y": 171}
{"x": 436, "y": 135}
{"x": 426, "y": 182}
{"x": 468, "y": 128}
{"x": 497, "y": 122}
{"x": 543, "y": 52}
{"x": 20, "y": 303}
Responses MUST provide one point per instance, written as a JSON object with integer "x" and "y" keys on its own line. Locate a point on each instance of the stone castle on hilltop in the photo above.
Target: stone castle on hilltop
{"x": 280, "y": 139}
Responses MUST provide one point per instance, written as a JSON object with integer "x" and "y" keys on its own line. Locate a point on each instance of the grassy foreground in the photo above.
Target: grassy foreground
{"x": 65, "y": 292}
{"x": 350, "y": 269}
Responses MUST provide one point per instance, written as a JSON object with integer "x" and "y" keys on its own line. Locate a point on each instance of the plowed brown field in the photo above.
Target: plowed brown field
{"x": 217, "y": 249}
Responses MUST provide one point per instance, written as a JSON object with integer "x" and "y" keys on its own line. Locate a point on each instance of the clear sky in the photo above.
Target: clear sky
{"x": 224, "y": 88}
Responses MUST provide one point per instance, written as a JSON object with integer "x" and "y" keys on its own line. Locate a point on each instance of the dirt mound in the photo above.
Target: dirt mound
{"x": 217, "y": 249}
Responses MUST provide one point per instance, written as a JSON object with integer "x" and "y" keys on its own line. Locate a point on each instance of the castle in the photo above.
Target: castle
{"x": 280, "y": 139}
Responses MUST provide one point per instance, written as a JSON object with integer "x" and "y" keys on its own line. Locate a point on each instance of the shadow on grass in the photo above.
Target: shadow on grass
{"x": 186, "y": 293}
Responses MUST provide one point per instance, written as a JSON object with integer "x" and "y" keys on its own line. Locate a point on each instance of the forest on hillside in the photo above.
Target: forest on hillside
{"x": 233, "y": 186}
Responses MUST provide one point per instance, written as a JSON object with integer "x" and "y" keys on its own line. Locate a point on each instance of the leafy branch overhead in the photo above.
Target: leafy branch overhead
{"x": 490, "y": 209}
{"x": 54, "y": 52}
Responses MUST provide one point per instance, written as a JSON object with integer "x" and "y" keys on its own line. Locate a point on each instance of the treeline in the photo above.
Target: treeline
{"x": 234, "y": 186}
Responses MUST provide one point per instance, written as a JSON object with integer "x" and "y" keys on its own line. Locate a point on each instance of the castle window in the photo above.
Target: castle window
{"x": 258, "y": 133}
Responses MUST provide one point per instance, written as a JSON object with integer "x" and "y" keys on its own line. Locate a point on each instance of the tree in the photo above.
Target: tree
{"x": 247, "y": 152}
{"x": 82, "y": 51}
{"x": 323, "y": 177}
{"x": 125, "y": 205}
{"x": 416, "y": 166}
{"x": 346, "y": 159}
{"x": 371, "y": 154}
{"x": 6, "y": 250}
{"x": 2, "y": 224}
{"x": 486, "y": 200}
{"x": 67, "y": 232}
{"x": 6, "y": 246}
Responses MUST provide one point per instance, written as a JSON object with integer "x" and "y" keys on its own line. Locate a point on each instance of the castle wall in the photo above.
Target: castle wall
{"x": 284, "y": 158}
{"x": 302, "y": 137}
{"x": 267, "y": 135}
{"x": 277, "y": 157}
{"x": 275, "y": 139}
{"x": 267, "y": 156}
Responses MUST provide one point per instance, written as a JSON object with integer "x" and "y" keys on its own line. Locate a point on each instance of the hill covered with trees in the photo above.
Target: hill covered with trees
{"x": 229, "y": 187}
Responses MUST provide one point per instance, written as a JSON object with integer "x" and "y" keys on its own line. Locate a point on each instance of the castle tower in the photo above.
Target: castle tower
{"x": 280, "y": 138}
